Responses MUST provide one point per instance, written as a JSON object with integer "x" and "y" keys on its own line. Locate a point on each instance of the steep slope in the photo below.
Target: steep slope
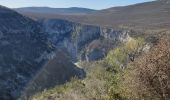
{"x": 21, "y": 43}
{"x": 84, "y": 42}
{"x": 148, "y": 77}
{"x": 56, "y": 72}
{"x": 100, "y": 77}
{"x": 24, "y": 49}
{"x": 145, "y": 77}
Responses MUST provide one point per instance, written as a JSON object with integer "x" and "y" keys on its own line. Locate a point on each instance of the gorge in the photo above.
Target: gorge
{"x": 40, "y": 49}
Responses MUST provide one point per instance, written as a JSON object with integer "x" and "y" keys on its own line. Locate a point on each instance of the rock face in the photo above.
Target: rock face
{"x": 24, "y": 49}
{"x": 71, "y": 36}
{"x": 56, "y": 72}
{"x": 83, "y": 42}
{"x": 21, "y": 43}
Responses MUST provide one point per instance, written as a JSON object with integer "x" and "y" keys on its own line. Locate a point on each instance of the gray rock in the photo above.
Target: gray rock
{"x": 78, "y": 39}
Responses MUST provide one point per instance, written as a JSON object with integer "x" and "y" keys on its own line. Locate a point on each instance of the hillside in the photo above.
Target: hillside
{"x": 54, "y": 11}
{"x": 120, "y": 53}
{"x": 153, "y": 14}
{"x": 18, "y": 57}
{"x": 24, "y": 50}
{"x": 119, "y": 77}
{"x": 56, "y": 72}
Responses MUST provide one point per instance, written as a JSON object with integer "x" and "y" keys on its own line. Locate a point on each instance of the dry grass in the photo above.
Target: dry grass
{"x": 149, "y": 78}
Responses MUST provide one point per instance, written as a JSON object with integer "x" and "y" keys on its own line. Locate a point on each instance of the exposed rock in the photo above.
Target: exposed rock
{"x": 24, "y": 49}
{"x": 21, "y": 42}
{"x": 83, "y": 42}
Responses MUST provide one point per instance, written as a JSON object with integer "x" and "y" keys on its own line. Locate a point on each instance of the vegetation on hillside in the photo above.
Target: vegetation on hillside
{"x": 149, "y": 76}
{"x": 124, "y": 74}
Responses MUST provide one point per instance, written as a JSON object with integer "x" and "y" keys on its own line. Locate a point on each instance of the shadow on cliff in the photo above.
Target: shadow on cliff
{"x": 57, "y": 71}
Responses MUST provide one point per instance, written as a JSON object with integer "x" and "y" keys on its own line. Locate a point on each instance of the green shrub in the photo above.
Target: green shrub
{"x": 104, "y": 81}
{"x": 133, "y": 44}
{"x": 115, "y": 58}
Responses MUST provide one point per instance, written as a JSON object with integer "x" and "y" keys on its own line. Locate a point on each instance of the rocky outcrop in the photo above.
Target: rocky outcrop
{"x": 24, "y": 49}
{"x": 21, "y": 42}
{"x": 83, "y": 42}
{"x": 69, "y": 35}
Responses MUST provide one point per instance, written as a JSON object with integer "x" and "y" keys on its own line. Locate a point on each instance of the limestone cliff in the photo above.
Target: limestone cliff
{"x": 83, "y": 42}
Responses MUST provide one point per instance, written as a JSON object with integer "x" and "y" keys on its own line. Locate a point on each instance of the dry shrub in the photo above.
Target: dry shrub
{"x": 149, "y": 78}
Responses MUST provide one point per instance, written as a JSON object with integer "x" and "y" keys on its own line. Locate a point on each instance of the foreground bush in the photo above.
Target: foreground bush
{"x": 149, "y": 76}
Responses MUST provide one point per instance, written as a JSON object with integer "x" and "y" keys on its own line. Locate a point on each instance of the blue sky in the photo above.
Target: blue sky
{"x": 94, "y": 4}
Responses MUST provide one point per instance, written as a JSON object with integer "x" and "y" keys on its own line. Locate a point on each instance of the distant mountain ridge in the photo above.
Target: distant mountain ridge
{"x": 48, "y": 10}
{"x": 153, "y": 14}
{"x": 26, "y": 45}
